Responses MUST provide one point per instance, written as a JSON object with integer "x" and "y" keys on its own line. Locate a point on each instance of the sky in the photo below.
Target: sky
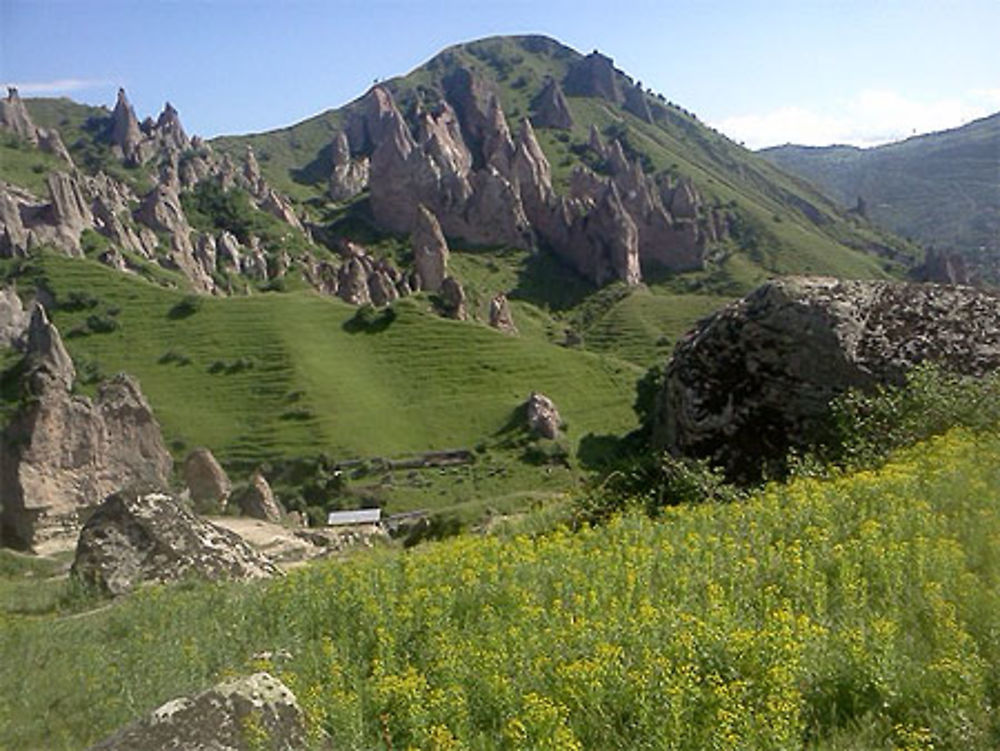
{"x": 814, "y": 72}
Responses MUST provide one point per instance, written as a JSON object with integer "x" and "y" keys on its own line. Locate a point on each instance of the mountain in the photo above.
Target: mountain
{"x": 396, "y": 276}
{"x": 940, "y": 189}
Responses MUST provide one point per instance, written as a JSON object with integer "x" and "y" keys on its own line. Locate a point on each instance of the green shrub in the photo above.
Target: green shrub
{"x": 864, "y": 427}
{"x": 190, "y": 305}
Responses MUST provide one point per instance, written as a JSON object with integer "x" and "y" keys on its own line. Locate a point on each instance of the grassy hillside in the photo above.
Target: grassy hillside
{"x": 858, "y": 612}
{"x": 942, "y": 189}
{"x": 273, "y": 376}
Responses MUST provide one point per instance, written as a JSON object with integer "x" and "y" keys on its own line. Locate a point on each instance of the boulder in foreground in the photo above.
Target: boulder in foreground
{"x": 132, "y": 538}
{"x": 756, "y": 378}
{"x": 255, "y": 712}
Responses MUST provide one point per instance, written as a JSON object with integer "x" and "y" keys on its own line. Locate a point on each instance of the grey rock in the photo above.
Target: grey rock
{"x": 216, "y": 720}
{"x": 543, "y": 416}
{"x": 430, "y": 250}
{"x": 132, "y": 538}
{"x": 125, "y": 134}
{"x": 500, "y": 315}
{"x": 258, "y": 500}
{"x": 61, "y": 454}
{"x": 13, "y": 233}
{"x": 13, "y": 319}
{"x": 550, "y": 108}
{"x": 70, "y": 209}
{"x": 47, "y": 361}
{"x": 453, "y": 299}
{"x": 349, "y": 176}
{"x": 756, "y": 378}
{"x": 594, "y": 75}
{"x": 14, "y": 117}
{"x": 207, "y": 480}
{"x": 635, "y": 102}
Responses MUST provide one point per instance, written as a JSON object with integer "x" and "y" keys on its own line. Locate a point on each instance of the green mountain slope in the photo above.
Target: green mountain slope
{"x": 787, "y": 227}
{"x": 942, "y": 189}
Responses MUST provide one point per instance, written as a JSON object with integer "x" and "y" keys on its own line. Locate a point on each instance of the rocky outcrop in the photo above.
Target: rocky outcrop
{"x": 207, "y": 481}
{"x": 13, "y": 319}
{"x": 453, "y": 299}
{"x": 635, "y": 102}
{"x": 124, "y": 132}
{"x": 349, "y": 176}
{"x": 14, "y": 238}
{"x": 594, "y": 75}
{"x": 500, "y": 315}
{"x": 543, "y": 416}
{"x": 132, "y": 538}
{"x": 430, "y": 251}
{"x": 219, "y": 719}
{"x": 14, "y": 117}
{"x": 436, "y": 170}
{"x": 258, "y": 501}
{"x": 70, "y": 208}
{"x": 756, "y": 378}
{"x": 47, "y": 363}
{"x": 61, "y": 454}
{"x": 549, "y": 108}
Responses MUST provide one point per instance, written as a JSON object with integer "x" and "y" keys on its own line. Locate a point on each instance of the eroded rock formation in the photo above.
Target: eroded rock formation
{"x": 549, "y": 109}
{"x": 258, "y": 501}
{"x": 207, "y": 481}
{"x": 500, "y": 316}
{"x": 754, "y": 379}
{"x": 61, "y": 454}
{"x": 430, "y": 250}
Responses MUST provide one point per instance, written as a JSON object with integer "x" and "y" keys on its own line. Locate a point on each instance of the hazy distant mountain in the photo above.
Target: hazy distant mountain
{"x": 942, "y": 189}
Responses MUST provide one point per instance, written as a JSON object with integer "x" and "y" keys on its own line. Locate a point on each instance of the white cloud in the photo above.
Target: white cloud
{"x": 58, "y": 86}
{"x": 869, "y": 118}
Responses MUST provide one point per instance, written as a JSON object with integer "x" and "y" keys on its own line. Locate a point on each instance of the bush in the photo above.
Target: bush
{"x": 190, "y": 305}
{"x": 864, "y": 427}
{"x": 654, "y": 481}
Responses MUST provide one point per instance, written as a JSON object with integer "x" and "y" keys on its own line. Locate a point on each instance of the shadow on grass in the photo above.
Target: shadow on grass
{"x": 369, "y": 320}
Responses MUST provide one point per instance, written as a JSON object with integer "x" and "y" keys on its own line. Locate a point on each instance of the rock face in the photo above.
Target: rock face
{"x": 13, "y": 319}
{"x": 258, "y": 501}
{"x": 543, "y": 417}
{"x": 207, "y": 480}
{"x": 15, "y": 118}
{"x": 430, "y": 250}
{"x": 133, "y": 538}
{"x": 349, "y": 176}
{"x": 62, "y": 454}
{"x": 549, "y": 108}
{"x": 594, "y": 75}
{"x": 217, "y": 720}
{"x": 754, "y": 379}
{"x": 500, "y": 315}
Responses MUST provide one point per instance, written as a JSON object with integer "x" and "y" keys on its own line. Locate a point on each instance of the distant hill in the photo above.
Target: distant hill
{"x": 941, "y": 189}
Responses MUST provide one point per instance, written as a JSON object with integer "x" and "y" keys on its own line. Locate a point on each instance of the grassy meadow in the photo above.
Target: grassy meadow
{"x": 858, "y": 612}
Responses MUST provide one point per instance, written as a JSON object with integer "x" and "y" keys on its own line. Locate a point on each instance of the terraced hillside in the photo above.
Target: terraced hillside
{"x": 274, "y": 376}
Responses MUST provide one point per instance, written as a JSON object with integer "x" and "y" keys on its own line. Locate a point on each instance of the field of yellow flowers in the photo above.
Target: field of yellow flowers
{"x": 856, "y": 612}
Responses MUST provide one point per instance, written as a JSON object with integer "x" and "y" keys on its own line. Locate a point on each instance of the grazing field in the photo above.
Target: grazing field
{"x": 857, "y": 612}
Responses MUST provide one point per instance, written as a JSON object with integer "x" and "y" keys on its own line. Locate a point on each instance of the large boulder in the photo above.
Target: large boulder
{"x": 543, "y": 416}
{"x": 756, "y": 378}
{"x": 207, "y": 481}
{"x": 220, "y": 719}
{"x": 258, "y": 500}
{"x": 133, "y": 538}
{"x": 500, "y": 316}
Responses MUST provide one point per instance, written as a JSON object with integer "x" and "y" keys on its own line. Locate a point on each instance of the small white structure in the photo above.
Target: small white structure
{"x": 352, "y": 518}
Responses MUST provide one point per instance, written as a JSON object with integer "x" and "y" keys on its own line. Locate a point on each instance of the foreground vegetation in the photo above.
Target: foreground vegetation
{"x": 859, "y": 611}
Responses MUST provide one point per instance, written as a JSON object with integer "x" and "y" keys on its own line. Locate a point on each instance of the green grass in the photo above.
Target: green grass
{"x": 278, "y": 375}
{"x": 26, "y": 166}
{"x": 857, "y": 612}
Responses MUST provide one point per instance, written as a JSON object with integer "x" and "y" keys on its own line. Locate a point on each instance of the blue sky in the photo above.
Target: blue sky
{"x": 764, "y": 73}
